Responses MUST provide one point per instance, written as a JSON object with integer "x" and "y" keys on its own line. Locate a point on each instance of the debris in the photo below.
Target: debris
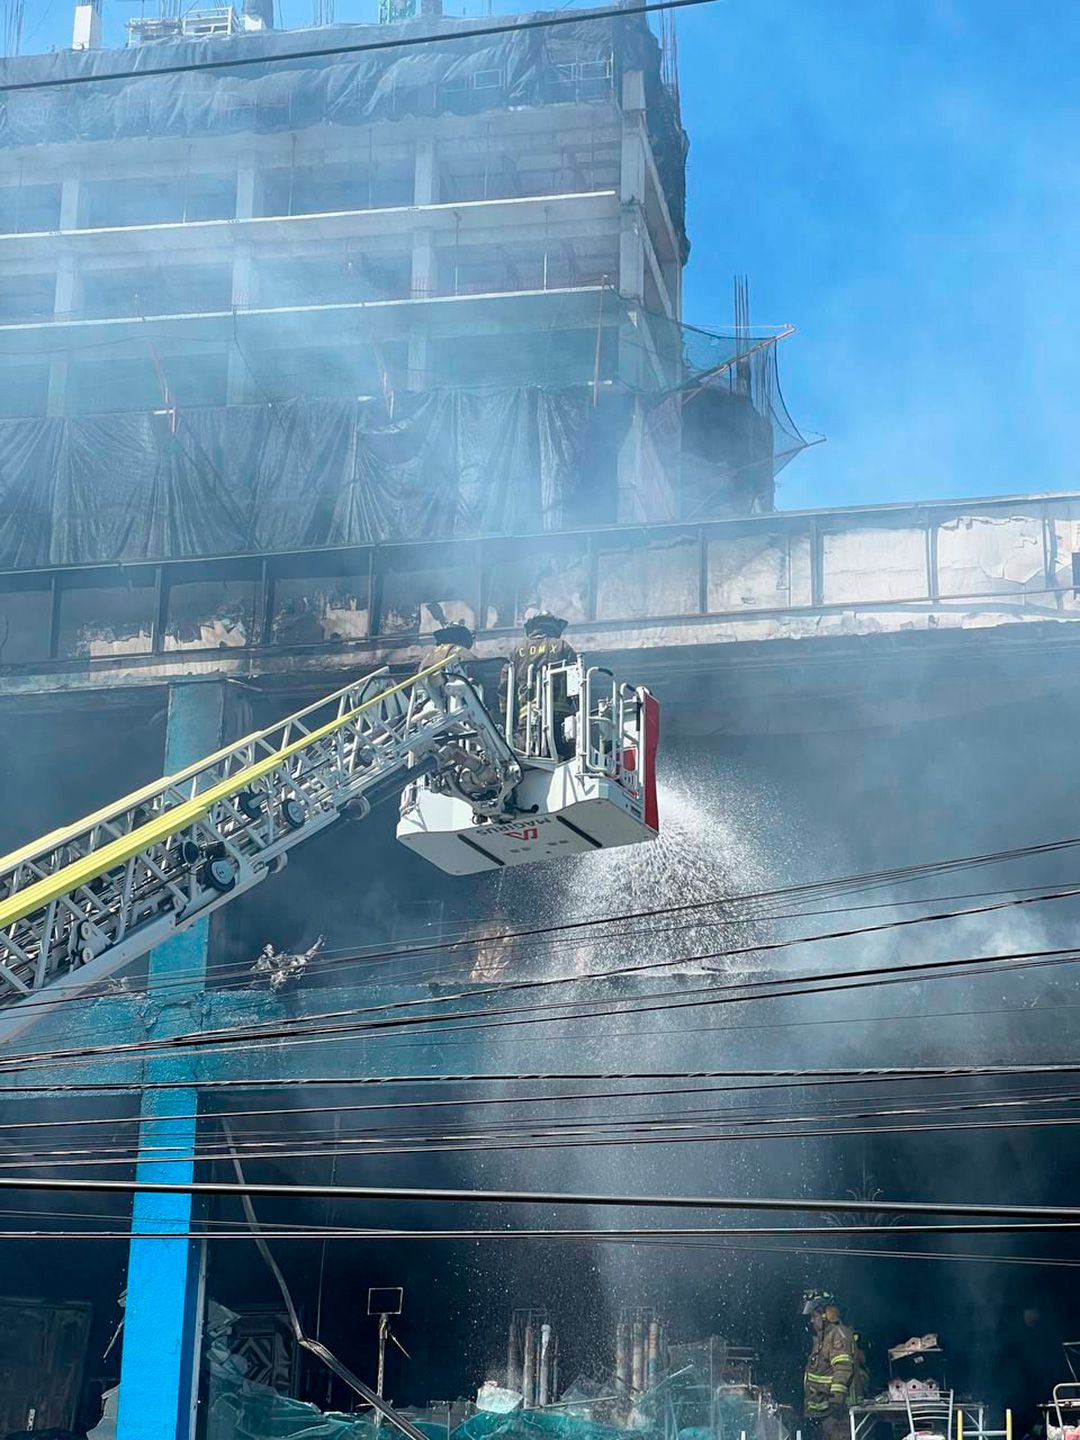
{"x": 279, "y": 967}
{"x": 496, "y": 1399}
{"x": 917, "y": 1345}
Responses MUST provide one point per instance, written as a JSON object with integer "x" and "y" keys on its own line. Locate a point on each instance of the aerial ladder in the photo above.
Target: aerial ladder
{"x": 568, "y": 766}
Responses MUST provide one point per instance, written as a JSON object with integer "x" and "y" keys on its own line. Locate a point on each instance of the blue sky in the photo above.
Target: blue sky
{"x": 901, "y": 181}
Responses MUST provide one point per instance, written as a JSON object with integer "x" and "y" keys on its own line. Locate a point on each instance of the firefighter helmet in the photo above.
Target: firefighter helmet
{"x": 544, "y": 624}
{"x": 454, "y": 634}
{"x": 819, "y": 1300}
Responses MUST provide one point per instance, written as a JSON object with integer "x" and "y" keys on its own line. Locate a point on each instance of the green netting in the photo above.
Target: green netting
{"x": 682, "y": 1407}
{"x": 534, "y": 1425}
{"x": 240, "y": 1409}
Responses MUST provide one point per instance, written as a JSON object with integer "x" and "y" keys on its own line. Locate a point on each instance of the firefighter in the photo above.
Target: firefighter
{"x": 543, "y": 647}
{"x": 830, "y": 1370}
{"x": 452, "y": 642}
{"x": 860, "y": 1381}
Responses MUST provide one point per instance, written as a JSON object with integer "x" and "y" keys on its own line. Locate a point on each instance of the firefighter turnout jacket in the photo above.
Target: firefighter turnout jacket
{"x": 540, "y": 651}
{"x": 829, "y": 1371}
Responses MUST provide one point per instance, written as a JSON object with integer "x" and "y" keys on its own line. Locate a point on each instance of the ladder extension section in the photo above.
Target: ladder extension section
{"x": 99, "y": 893}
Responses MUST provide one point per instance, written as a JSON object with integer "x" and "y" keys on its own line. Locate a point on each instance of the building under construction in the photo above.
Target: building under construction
{"x": 312, "y": 343}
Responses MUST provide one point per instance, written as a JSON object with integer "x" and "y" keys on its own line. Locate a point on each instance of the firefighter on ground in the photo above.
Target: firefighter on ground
{"x": 543, "y": 648}
{"x": 830, "y": 1370}
{"x": 860, "y": 1381}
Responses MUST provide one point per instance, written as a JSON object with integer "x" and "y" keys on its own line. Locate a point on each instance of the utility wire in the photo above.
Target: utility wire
{"x": 235, "y": 62}
{"x": 1062, "y": 1215}
{"x": 308, "y": 1029}
{"x": 714, "y": 1236}
{"x": 547, "y": 933}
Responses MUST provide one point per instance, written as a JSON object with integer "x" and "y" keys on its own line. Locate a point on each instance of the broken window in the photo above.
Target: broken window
{"x": 25, "y": 619}
{"x": 551, "y": 576}
{"x": 423, "y": 590}
{"x": 757, "y": 571}
{"x": 635, "y": 579}
{"x": 210, "y": 610}
{"x": 107, "y": 613}
{"x": 868, "y": 564}
{"x": 320, "y": 601}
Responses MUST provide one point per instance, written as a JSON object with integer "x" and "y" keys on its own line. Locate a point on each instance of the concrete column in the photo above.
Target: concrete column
{"x": 423, "y": 263}
{"x": 71, "y": 216}
{"x": 65, "y": 302}
{"x": 630, "y": 472}
{"x": 163, "y": 1313}
{"x": 56, "y": 400}
{"x": 243, "y": 293}
{"x": 65, "y": 296}
{"x": 632, "y": 253}
{"x": 632, "y": 182}
{"x": 426, "y": 173}
{"x": 245, "y": 188}
{"x": 419, "y": 357}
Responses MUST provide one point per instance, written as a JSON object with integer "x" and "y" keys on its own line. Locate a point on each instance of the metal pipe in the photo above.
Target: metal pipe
{"x": 622, "y": 1357}
{"x": 528, "y": 1372}
{"x": 637, "y": 1357}
{"x": 544, "y": 1386}
{"x": 513, "y": 1357}
{"x": 1008, "y": 1425}
{"x": 652, "y": 1365}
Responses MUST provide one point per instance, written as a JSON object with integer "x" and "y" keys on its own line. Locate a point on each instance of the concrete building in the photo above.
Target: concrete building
{"x": 491, "y": 214}
{"x": 298, "y": 359}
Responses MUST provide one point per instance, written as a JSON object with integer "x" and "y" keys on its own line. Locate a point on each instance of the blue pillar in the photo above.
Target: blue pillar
{"x": 162, "y": 1318}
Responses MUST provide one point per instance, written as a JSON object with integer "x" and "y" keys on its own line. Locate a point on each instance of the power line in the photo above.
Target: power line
{"x": 546, "y": 934}
{"x": 717, "y": 1238}
{"x": 306, "y": 1030}
{"x": 573, "y": 17}
{"x": 1044, "y": 1214}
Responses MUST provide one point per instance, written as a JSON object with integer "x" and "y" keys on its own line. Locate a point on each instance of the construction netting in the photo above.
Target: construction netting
{"x": 576, "y": 62}
{"x": 301, "y": 473}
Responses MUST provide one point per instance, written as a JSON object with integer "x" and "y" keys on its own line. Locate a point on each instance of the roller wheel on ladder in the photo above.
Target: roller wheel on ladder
{"x": 219, "y": 874}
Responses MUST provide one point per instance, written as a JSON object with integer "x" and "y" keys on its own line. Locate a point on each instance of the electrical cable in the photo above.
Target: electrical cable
{"x": 216, "y": 1044}
{"x": 719, "y": 1238}
{"x": 409, "y": 1106}
{"x": 312, "y": 1030}
{"x": 519, "y": 1146}
{"x": 236, "y": 62}
{"x": 1049, "y": 1214}
{"x": 709, "y": 1241}
{"x": 547, "y": 933}
{"x": 835, "y": 886}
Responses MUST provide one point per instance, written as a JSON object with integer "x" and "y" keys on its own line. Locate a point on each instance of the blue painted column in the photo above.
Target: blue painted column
{"x": 163, "y": 1314}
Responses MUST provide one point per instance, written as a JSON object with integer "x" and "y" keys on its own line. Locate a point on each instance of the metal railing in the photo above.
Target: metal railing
{"x": 787, "y": 564}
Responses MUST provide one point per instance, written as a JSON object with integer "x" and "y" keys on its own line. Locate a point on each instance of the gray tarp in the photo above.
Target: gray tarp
{"x": 305, "y": 473}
